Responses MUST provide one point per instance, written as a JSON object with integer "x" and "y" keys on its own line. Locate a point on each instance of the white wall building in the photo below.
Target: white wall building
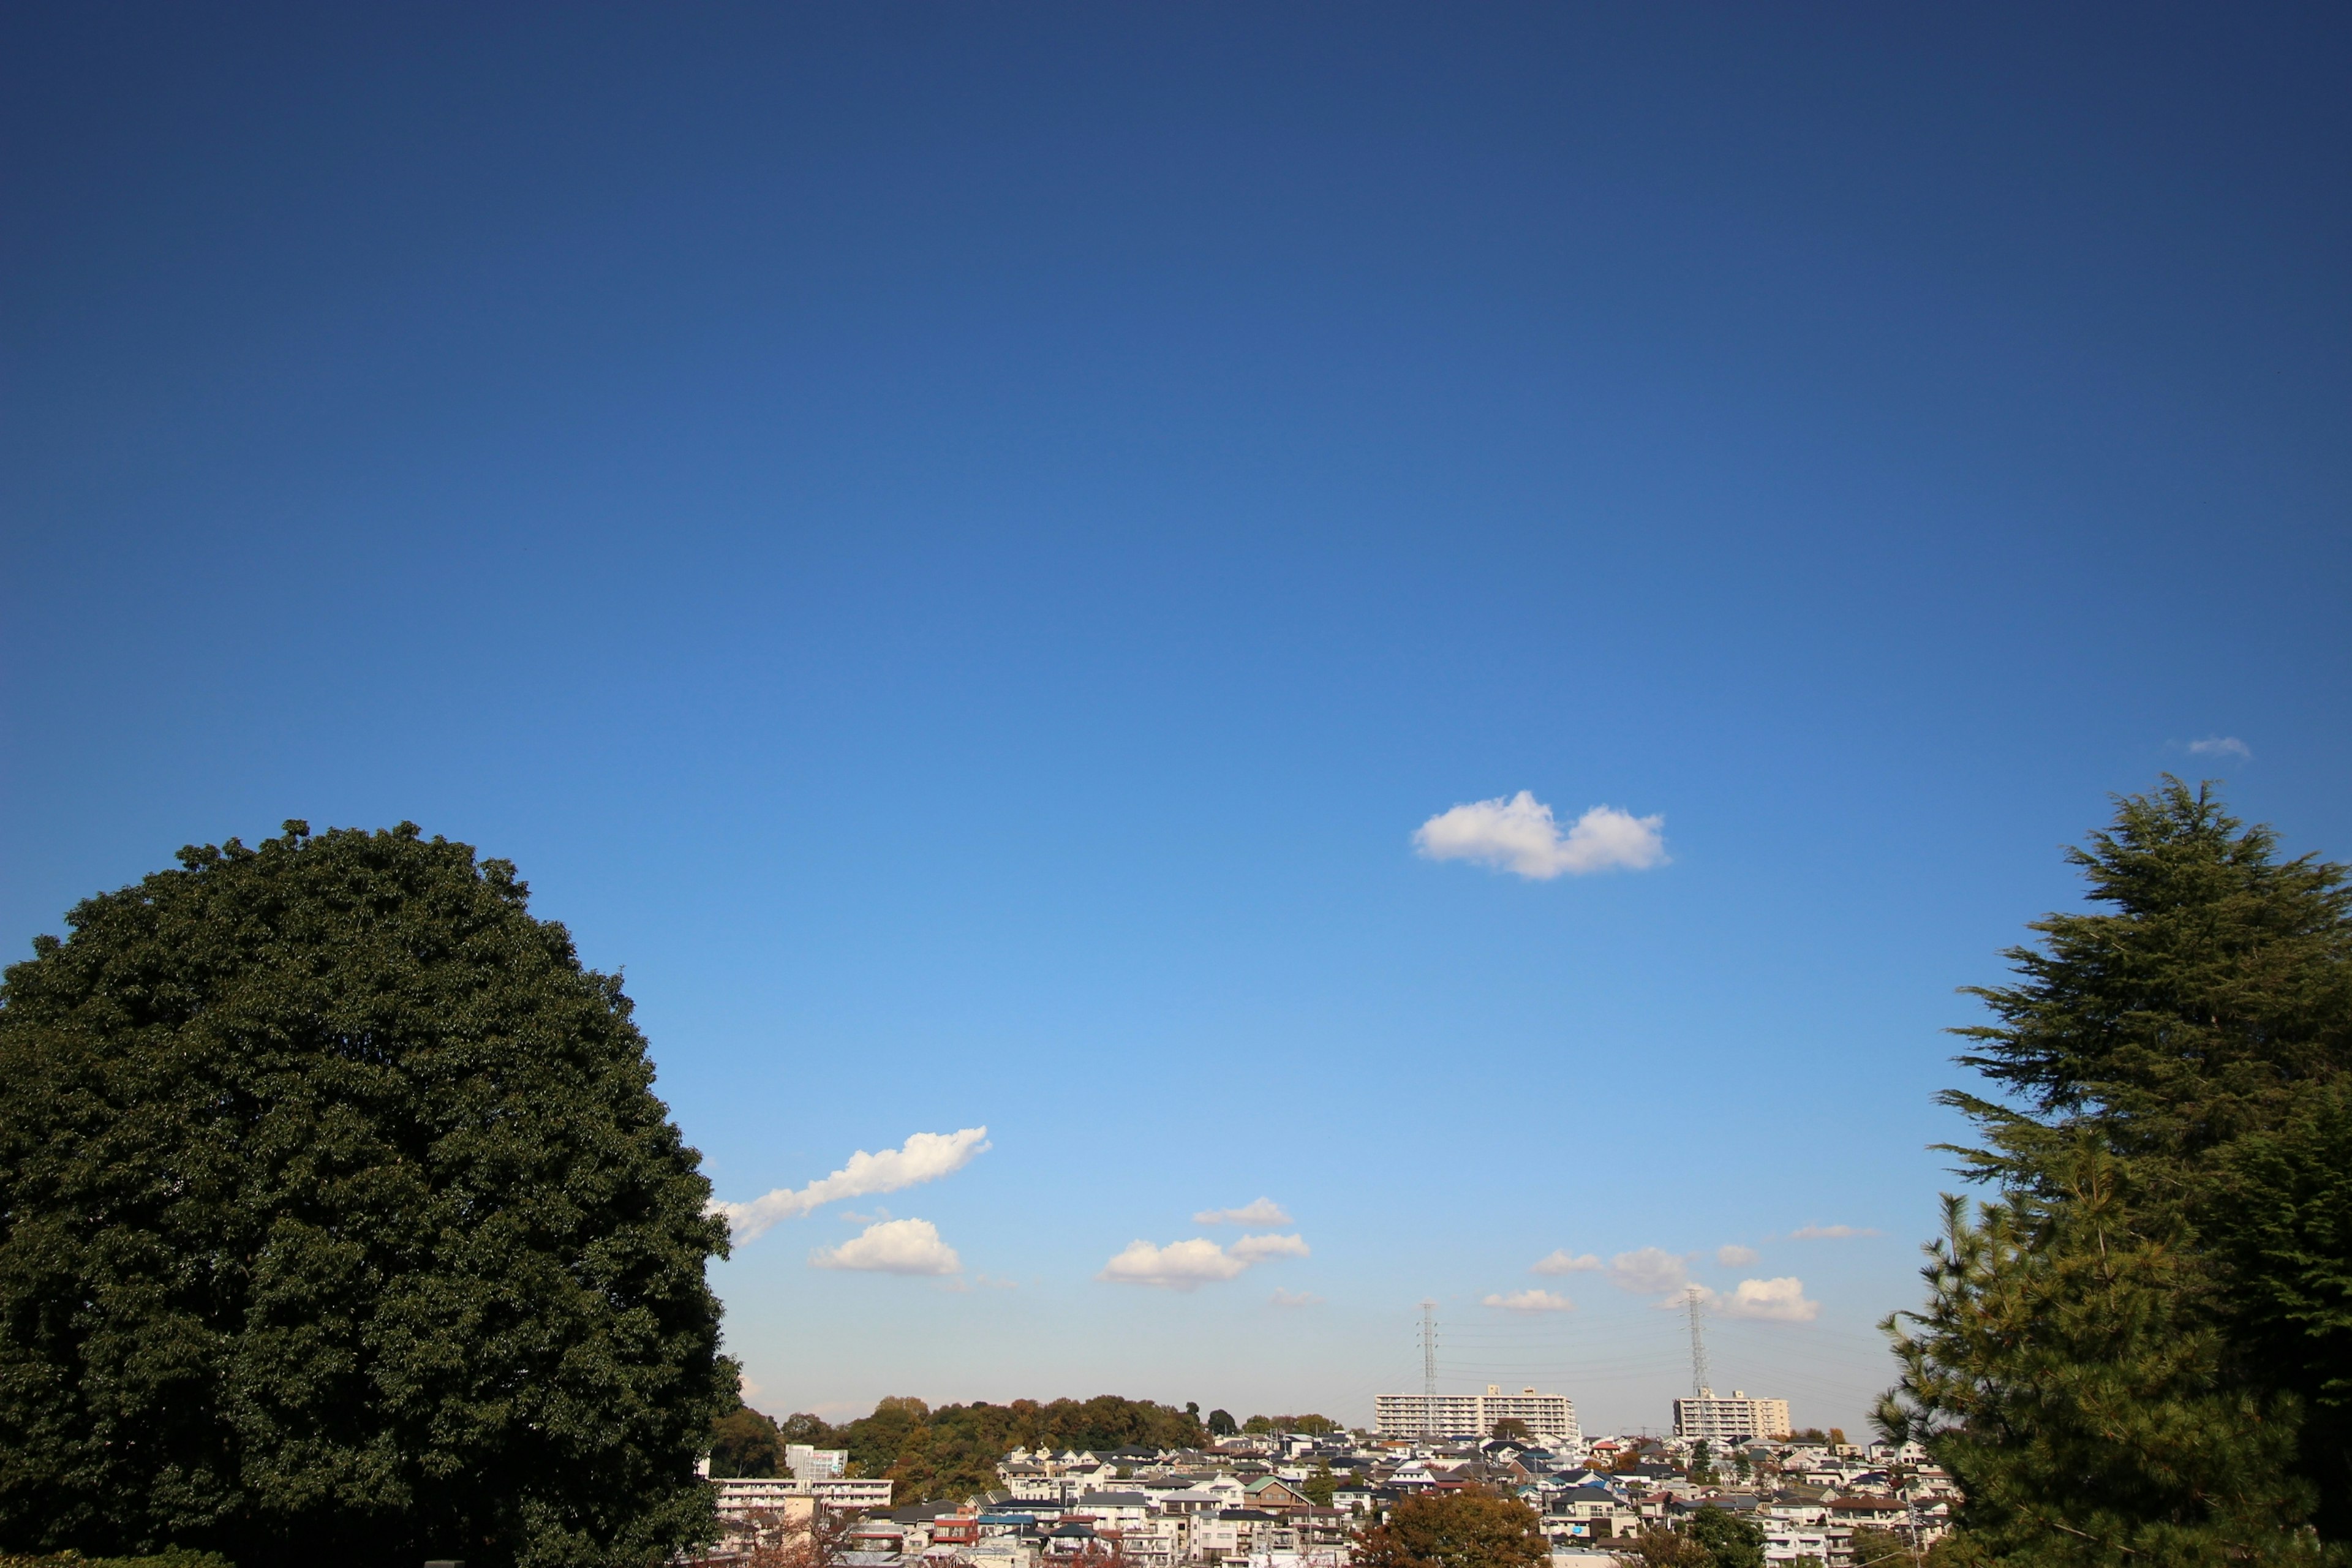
{"x": 1732, "y": 1420}
{"x": 1548, "y": 1415}
{"x": 742, "y": 1496}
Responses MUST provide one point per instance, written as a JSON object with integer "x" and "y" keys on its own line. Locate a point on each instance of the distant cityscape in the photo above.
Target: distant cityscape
{"x": 1301, "y": 1500}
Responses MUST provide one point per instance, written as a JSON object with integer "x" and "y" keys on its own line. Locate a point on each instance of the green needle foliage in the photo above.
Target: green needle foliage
{"x": 338, "y": 1223}
{"x": 2139, "y": 1350}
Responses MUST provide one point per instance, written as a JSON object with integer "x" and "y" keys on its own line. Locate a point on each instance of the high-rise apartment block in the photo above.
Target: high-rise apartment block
{"x": 1732, "y": 1420}
{"x": 1551, "y": 1417}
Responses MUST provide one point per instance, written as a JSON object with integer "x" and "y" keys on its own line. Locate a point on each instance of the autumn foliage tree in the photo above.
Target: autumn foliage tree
{"x": 1466, "y": 1528}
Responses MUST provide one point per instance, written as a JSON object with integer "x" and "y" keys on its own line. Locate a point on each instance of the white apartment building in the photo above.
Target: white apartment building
{"x": 1551, "y": 1417}
{"x": 791, "y": 1498}
{"x": 1732, "y": 1420}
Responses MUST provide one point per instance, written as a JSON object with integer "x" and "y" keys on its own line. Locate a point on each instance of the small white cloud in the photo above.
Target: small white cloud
{"x": 926, "y": 1157}
{"x": 1735, "y": 1256}
{"x": 1648, "y": 1271}
{"x": 1519, "y": 834}
{"x": 1559, "y": 1262}
{"x": 1296, "y": 1298}
{"x": 1531, "y": 1301}
{"x": 1775, "y": 1301}
{"x": 1179, "y": 1266}
{"x": 1264, "y": 1211}
{"x": 1828, "y": 1232}
{"x": 892, "y": 1247}
{"x": 2220, "y": 746}
{"x": 1259, "y": 1248}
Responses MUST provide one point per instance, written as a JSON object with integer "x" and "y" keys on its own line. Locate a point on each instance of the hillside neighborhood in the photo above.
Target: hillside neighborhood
{"x": 1300, "y": 1501}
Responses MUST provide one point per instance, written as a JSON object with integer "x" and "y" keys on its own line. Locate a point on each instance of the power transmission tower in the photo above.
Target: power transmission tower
{"x": 1429, "y": 1368}
{"x": 1698, "y": 1310}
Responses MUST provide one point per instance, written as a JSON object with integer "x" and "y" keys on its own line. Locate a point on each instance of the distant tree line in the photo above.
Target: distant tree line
{"x": 952, "y": 1452}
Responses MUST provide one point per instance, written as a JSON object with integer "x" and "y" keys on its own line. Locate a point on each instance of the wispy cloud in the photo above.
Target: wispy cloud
{"x": 2220, "y": 746}
{"x": 1531, "y": 1300}
{"x": 1519, "y": 834}
{"x": 1778, "y": 1300}
{"x": 1296, "y": 1298}
{"x": 926, "y": 1157}
{"x": 1261, "y": 1211}
{"x": 1179, "y": 1266}
{"x": 1828, "y": 1232}
{"x": 1735, "y": 1256}
{"x": 1559, "y": 1262}
{"x": 893, "y": 1247}
{"x": 1648, "y": 1271}
{"x": 1259, "y": 1248}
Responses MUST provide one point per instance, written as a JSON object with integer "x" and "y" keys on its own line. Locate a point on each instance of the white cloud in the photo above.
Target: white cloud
{"x": 1829, "y": 1232}
{"x": 1182, "y": 1265}
{"x": 1647, "y": 1271}
{"x": 1519, "y": 834}
{"x": 1179, "y": 1266}
{"x": 1735, "y": 1256}
{"x": 1559, "y": 1262}
{"x": 926, "y": 1157}
{"x": 892, "y": 1247}
{"x": 2220, "y": 746}
{"x": 1264, "y": 1211}
{"x": 1296, "y": 1298}
{"x": 1531, "y": 1301}
{"x": 1778, "y": 1300}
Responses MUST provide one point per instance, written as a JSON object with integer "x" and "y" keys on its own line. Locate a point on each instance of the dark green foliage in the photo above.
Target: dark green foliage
{"x": 809, "y": 1429}
{"x": 2280, "y": 1226}
{"x": 2217, "y": 986}
{"x": 173, "y": 1557}
{"x": 1221, "y": 1423}
{"x": 1728, "y": 1540}
{"x": 745, "y": 1443}
{"x": 338, "y": 1223}
{"x": 1311, "y": 1425}
{"x": 2136, "y": 1351}
{"x": 952, "y": 1453}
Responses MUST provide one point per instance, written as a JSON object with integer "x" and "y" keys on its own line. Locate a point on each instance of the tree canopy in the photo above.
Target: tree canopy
{"x": 339, "y": 1222}
{"x": 1467, "y": 1529}
{"x": 2139, "y": 1348}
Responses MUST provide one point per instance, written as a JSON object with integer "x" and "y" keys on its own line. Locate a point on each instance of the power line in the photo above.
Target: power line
{"x": 1428, "y": 1355}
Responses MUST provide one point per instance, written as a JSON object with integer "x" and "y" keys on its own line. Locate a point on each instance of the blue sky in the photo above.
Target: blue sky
{"x": 959, "y": 545}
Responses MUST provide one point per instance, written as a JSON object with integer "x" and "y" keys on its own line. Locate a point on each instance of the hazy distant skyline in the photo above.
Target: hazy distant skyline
{"x": 1214, "y": 668}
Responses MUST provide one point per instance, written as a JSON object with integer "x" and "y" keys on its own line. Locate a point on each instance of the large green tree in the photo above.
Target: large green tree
{"x": 743, "y": 1442}
{"x": 2138, "y": 1349}
{"x": 338, "y": 1223}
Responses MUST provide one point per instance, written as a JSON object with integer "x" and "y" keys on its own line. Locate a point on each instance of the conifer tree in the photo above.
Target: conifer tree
{"x": 2136, "y": 1352}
